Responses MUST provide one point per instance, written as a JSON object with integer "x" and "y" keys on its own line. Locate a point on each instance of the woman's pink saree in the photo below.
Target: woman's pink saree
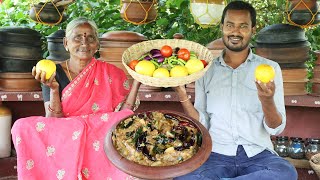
{"x": 72, "y": 148}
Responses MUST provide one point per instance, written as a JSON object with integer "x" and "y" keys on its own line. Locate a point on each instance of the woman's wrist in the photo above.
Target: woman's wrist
{"x": 55, "y": 111}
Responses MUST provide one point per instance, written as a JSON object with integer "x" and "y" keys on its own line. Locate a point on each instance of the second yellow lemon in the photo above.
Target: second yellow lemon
{"x": 264, "y": 73}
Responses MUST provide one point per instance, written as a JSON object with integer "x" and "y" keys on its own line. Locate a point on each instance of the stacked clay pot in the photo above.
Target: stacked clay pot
{"x": 57, "y": 51}
{"x": 287, "y": 45}
{"x": 316, "y": 76}
{"x": 112, "y": 46}
{"x": 20, "y": 50}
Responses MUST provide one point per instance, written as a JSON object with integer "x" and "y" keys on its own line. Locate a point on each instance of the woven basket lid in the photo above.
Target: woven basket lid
{"x": 127, "y": 36}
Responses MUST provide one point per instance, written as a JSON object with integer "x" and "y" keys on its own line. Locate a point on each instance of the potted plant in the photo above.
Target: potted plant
{"x": 138, "y": 11}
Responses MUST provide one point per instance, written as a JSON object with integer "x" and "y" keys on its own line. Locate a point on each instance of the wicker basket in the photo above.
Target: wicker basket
{"x": 137, "y": 50}
{"x": 315, "y": 163}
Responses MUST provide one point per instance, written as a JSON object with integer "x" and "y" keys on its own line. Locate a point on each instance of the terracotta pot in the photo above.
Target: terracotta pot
{"x": 160, "y": 172}
{"x": 316, "y": 73}
{"x": 317, "y": 53}
{"x": 20, "y": 51}
{"x": 285, "y": 55}
{"x": 137, "y": 13}
{"x": 294, "y": 88}
{"x": 304, "y": 17}
{"x": 281, "y": 34}
{"x": 20, "y": 35}
{"x": 315, "y": 89}
{"x": 16, "y": 65}
{"x": 292, "y": 65}
{"x": 302, "y": 4}
{"x": 294, "y": 75}
{"x": 47, "y": 14}
{"x": 216, "y": 45}
{"x": 18, "y": 82}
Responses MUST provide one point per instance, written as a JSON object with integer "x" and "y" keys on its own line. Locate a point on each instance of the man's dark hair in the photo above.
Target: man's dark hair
{"x": 240, "y": 5}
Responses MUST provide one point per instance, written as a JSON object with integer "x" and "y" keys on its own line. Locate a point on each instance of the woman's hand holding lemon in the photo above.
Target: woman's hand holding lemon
{"x": 44, "y": 71}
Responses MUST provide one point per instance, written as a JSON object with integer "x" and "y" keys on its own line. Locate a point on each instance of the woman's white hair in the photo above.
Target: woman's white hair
{"x": 80, "y": 21}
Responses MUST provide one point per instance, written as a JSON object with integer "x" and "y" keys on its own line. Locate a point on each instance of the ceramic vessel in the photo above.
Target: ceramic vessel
{"x": 160, "y": 172}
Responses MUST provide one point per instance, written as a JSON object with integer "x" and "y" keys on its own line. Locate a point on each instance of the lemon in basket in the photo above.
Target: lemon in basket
{"x": 194, "y": 65}
{"x": 179, "y": 71}
{"x": 161, "y": 72}
{"x": 145, "y": 67}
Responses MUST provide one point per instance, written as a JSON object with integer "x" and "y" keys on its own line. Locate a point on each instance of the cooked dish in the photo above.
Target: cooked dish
{"x": 156, "y": 139}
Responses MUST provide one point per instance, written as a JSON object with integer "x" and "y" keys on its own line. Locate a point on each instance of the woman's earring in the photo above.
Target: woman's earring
{"x": 67, "y": 49}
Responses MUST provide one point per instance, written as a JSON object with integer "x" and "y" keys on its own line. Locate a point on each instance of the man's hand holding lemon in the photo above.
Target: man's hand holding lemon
{"x": 45, "y": 72}
{"x": 264, "y": 75}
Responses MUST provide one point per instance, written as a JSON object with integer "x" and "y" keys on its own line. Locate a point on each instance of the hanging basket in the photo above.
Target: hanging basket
{"x": 138, "y": 12}
{"x": 47, "y": 13}
{"x": 207, "y": 12}
{"x": 303, "y": 13}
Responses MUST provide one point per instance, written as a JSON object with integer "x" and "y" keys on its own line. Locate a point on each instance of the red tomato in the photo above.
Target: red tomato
{"x": 184, "y": 54}
{"x": 166, "y": 51}
{"x": 133, "y": 64}
{"x": 204, "y": 62}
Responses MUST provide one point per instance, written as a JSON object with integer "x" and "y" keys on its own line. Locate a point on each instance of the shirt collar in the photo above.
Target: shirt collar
{"x": 249, "y": 58}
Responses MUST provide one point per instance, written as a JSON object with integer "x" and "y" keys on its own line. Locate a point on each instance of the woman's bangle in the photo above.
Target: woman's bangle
{"x": 53, "y": 111}
{"x": 185, "y": 100}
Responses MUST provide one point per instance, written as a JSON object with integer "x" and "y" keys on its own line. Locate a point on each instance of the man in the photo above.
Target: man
{"x": 239, "y": 112}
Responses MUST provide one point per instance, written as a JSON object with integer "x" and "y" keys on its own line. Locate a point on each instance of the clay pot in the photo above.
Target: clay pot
{"x": 137, "y": 13}
{"x": 20, "y": 35}
{"x": 114, "y": 43}
{"x": 317, "y": 53}
{"x": 316, "y": 73}
{"x": 302, "y": 4}
{"x": 292, "y": 65}
{"x": 285, "y": 55}
{"x": 315, "y": 89}
{"x": 16, "y": 65}
{"x": 304, "y": 17}
{"x": 294, "y": 88}
{"x": 47, "y": 14}
{"x": 57, "y": 51}
{"x": 18, "y": 82}
{"x": 295, "y": 75}
{"x": 20, "y": 51}
{"x": 160, "y": 172}
{"x": 280, "y": 34}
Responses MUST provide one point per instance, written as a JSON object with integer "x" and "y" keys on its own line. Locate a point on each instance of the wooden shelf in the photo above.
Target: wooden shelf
{"x": 21, "y": 96}
{"x": 303, "y": 100}
{"x": 299, "y": 163}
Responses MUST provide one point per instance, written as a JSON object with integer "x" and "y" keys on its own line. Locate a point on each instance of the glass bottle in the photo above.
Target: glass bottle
{"x": 281, "y": 146}
{"x": 296, "y": 148}
{"x": 312, "y": 148}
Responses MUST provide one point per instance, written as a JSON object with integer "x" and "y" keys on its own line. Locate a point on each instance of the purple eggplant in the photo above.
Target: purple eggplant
{"x": 160, "y": 59}
{"x": 155, "y": 51}
{"x": 147, "y": 57}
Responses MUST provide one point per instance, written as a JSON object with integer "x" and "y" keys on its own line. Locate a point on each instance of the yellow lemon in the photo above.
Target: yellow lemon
{"x": 264, "y": 73}
{"x": 194, "y": 65}
{"x": 145, "y": 67}
{"x": 46, "y": 65}
{"x": 179, "y": 71}
{"x": 161, "y": 72}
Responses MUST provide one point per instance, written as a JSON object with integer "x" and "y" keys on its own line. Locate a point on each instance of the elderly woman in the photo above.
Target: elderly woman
{"x": 82, "y": 100}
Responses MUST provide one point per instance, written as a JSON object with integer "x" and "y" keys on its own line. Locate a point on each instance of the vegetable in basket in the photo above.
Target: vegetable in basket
{"x": 166, "y": 59}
